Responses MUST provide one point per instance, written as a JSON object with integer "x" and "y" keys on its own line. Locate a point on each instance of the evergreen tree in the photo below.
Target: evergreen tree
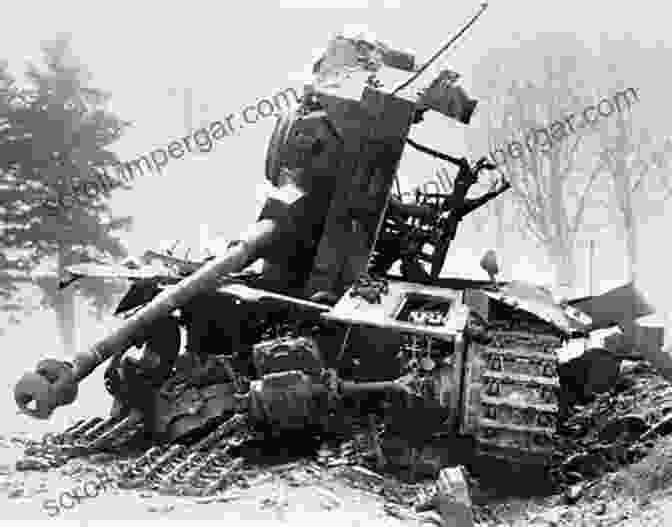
{"x": 56, "y": 136}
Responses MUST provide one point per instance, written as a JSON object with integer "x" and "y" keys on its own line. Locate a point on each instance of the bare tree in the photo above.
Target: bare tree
{"x": 638, "y": 183}
{"x": 531, "y": 139}
{"x": 637, "y": 157}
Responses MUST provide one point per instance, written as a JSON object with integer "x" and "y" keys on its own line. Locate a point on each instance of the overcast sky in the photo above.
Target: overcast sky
{"x": 233, "y": 54}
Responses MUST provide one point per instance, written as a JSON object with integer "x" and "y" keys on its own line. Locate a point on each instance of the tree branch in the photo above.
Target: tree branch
{"x": 580, "y": 209}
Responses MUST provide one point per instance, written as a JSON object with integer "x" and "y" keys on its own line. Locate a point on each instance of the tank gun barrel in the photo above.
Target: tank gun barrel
{"x": 54, "y": 383}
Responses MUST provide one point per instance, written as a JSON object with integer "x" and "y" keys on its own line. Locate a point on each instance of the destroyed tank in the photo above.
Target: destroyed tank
{"x": 323, "y": 321}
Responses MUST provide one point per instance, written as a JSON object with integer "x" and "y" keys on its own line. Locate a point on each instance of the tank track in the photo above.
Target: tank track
{"x": 511, "y": 396}
{"x": 85, "y": 437}
{"x": 199, "y": 469}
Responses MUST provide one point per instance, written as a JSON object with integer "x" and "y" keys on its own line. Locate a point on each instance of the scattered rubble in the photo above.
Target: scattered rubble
{"x": 450, "y": 497}
{"x": 616, "y": 428}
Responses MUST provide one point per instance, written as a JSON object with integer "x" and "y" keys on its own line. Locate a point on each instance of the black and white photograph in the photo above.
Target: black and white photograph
{"x": 366, "y": 263}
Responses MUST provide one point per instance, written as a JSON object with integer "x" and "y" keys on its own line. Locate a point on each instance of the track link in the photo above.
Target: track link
{"x": 198, "y": 469}
{"x": 88, "y": 436}
{"x": 511, "y": 400}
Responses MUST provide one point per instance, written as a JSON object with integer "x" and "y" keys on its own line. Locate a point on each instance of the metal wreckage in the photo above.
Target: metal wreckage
{"x": 324, "y": 323}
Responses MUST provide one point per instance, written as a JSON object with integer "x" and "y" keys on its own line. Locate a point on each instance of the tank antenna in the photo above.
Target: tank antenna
{"x": 436, "y": 55}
